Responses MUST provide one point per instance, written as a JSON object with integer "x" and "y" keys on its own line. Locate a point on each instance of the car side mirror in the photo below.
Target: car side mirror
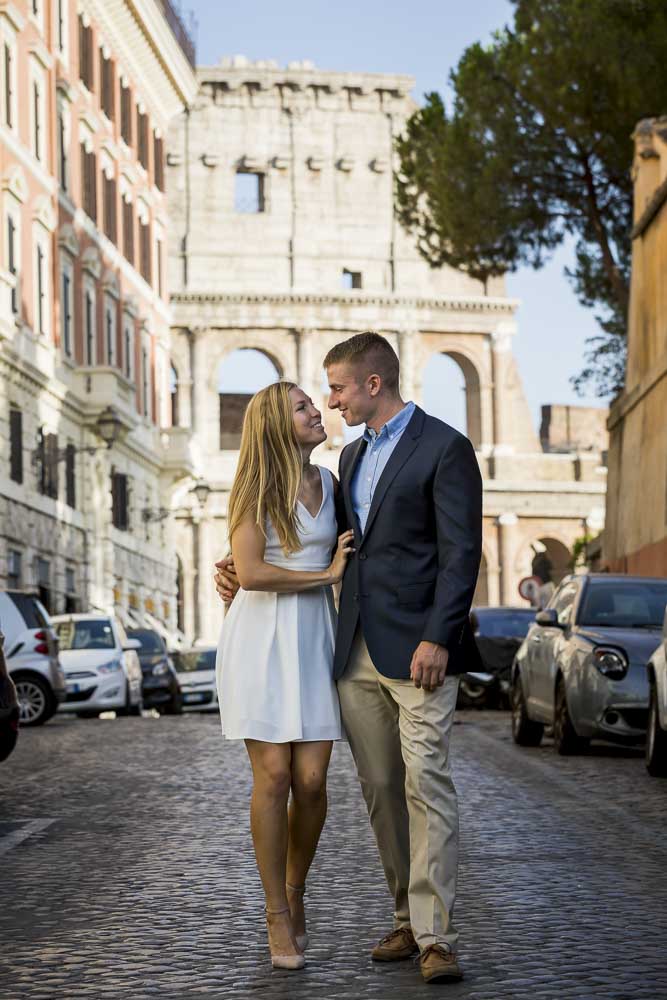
{"x": 131, "y": 644}
{"x": 547, "y": 618}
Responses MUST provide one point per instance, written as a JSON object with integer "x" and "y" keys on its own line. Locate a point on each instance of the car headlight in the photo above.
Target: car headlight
{"x": 611, "y": 662}
{"x": 161, "y": 668}
{"x": 111, "y": 667}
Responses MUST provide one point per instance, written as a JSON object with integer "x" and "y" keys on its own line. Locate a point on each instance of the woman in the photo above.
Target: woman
{"x": 275, "y": 657}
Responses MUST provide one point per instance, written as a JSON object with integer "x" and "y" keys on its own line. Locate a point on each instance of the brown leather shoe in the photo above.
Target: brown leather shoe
{"x": 395, "y": 947}
{"x": 438, "y": 964}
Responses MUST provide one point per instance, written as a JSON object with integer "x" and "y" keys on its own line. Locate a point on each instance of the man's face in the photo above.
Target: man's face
{"x": 350, "y": 393}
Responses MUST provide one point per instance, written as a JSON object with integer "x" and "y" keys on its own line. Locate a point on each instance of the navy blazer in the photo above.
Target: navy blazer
{"x": 414, "y": 572}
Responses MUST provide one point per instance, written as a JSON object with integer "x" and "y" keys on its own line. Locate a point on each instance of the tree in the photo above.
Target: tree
{"x": 537, "y": 146}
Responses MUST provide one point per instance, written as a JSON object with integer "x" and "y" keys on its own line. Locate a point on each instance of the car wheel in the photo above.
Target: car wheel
{"x": 656, "y": 740}
{"x": 126, "y": 709}
{"x": 35, "y": 700}
{"x": 525, "y": 731}
{"x": 175, "y": 706}
{"x": 566, "y": 740}
{"x": 471, "y": 695}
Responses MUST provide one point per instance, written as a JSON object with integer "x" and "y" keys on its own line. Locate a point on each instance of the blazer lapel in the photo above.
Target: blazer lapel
{"x": 401, "y": 453}
{"x": 359, "y": 449}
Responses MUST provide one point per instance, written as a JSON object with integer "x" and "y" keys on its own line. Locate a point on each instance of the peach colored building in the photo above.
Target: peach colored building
{"x": 87, "y": 91}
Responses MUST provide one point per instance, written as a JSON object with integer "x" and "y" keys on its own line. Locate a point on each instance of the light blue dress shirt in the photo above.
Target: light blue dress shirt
{"x": 379, "y": 448}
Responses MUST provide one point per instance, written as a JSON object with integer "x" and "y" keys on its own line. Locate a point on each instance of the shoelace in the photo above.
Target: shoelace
{"x": 444, "y": 947}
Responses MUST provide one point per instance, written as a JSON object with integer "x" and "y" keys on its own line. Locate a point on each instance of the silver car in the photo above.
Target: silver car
{"x": 656, "y": 736}
{"x": 582, "y": 666}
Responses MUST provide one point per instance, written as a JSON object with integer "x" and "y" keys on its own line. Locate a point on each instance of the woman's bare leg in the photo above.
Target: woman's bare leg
{"x": 307, "y": 813}
{"x": 271, "y": 768}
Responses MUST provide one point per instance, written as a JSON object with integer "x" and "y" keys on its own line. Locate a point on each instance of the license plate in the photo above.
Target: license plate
{"x": 190, "y": 698}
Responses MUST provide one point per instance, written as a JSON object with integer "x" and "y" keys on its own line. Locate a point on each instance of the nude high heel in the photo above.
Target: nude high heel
{"x": 291, "y": 962}
{"x": 302, "y": 940}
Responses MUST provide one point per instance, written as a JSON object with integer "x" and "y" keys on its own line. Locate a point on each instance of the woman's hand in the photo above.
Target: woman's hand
{"x": 344, "y": 550}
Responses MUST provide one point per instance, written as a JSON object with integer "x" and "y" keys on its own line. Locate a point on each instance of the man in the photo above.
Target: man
{"x": 411, "y": 490}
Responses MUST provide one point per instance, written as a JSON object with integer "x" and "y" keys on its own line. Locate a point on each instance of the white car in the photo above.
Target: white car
{"x": 196, "y": 675}
{"x": 101, "y": 665}
{"x": 31, "y": 652}
{"x": 656, "y": 734}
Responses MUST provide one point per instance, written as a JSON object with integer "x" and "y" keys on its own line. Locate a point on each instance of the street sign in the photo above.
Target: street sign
{"x": 529, "y": 589}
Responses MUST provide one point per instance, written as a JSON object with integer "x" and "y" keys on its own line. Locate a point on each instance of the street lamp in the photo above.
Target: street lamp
{"x": 108, "y": 426}
{"x": 201, "y": 490}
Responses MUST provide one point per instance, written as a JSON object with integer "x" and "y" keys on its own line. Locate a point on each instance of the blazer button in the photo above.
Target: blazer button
{"x": 362, "y": 555}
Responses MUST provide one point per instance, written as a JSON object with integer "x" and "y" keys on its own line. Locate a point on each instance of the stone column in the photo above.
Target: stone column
{"x": 501, "y": 352}
{"x": 507, "y": 540}
{"x": 305, "y": 363}
{"x": 407, "y": 354}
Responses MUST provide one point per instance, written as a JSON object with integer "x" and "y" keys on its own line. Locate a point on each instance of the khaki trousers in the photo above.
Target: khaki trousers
{"x": 399, "y": 737}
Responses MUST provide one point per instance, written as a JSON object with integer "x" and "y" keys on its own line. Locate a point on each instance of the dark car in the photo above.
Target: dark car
{"x": 9, "y": 708}
{"x": 582, "y": 666}
{"x": 160, "y": 688}
{"x": 498, "y": 633}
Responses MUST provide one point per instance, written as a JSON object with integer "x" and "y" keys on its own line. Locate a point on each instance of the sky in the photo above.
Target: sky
{"x": 424, "y": 39}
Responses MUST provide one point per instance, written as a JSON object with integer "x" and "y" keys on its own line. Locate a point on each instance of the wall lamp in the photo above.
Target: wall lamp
{"x": 108, "y": 426}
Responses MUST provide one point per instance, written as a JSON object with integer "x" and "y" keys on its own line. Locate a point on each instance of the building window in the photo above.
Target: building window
{"x": 67, "y": 306}
{"x": 70, "y": 475}
{"x": 14, "y": 570}
{"x": 107, "y": 86}
{"x": 145, "y": 373}
{"x": 43, "y": 579}
{"x": 89, "y": 324}
{"x": 110, "y": 329}
{"x": 89, "y": 182}
{"x": 158, "y": 265}
{"x": 8, "y": 68}
{"x": 145, "y": 250}
{"x": 173, "y": 392}
{"x": 120, "y": 507}
{"x": 61, "y": 27}
{"x": 128, "y": 346}
{"x": 142, "y": 139}
{"x": 249, "y": 192}
{"x": 126, "y": 115}
{"x": 47, "y": 450}
{"x": 110, "y": 208}
{"x": 85, "y": 54}
{"x": 16, "y": 444}
{"x": 71, "y": 597}
{"x": 158, "y": 161}
{"x": 12, "y": 262}
{"x": 128, "y": 232}
{"x": 351, "y": 279}
{"x": 37, "y": 120}
{"x": 41, "y": 279}
{"x": 63, "y": 152}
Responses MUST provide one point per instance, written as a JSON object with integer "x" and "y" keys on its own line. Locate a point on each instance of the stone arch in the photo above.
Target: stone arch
{"x": 254, "y": 372}
{"x": 469, "y": 367}
{"x": 545, "y": 554}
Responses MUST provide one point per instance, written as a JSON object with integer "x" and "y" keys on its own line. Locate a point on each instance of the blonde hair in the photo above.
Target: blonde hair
{"x": 270, "y": 469}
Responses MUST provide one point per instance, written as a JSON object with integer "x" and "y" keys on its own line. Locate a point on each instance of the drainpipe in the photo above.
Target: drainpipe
{"x": 392, "y": 231}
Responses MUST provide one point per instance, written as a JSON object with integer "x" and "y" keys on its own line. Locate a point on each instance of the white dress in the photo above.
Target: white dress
{"x": 275, "y": 655}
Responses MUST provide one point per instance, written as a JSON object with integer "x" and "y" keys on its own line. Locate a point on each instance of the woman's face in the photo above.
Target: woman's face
{"x": 307, "y": 419}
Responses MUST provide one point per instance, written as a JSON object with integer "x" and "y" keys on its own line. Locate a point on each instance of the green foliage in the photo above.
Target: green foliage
{"x": 538, "y": 146}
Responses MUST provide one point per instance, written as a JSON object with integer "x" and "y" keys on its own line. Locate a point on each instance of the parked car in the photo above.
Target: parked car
{"x": 160, "y": 685}
{"x": 582, "y": 666}
{"x": 31, "y": 652}
{"x": 196, "y": 672}
{"x": 656, "y": 735}
{"x": 9, "y": 708}
{"x": 101, "y": 665}
{"x": 499, "y": 633}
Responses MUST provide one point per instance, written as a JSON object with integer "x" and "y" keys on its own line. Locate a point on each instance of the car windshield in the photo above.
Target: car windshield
{"x": 88, "y": 633}
{"x": 194, "y": 659}
{"x": 150, "y": 641}
{"x": 505, "y": 624}
{"x": 624, "y": 604}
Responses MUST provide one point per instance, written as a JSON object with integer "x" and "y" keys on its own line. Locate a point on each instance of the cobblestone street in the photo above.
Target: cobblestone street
{"x": 128, "y": 871}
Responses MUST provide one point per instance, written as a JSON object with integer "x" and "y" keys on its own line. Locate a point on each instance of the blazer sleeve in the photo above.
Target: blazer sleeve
{"x": 457, "y": 496}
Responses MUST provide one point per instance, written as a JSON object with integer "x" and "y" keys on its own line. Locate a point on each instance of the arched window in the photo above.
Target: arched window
{"x": 240, "y": 376}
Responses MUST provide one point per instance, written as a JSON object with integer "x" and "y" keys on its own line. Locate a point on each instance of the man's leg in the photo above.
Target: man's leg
{"x": 370, "y": 717}
{"x": 425, "y": 720}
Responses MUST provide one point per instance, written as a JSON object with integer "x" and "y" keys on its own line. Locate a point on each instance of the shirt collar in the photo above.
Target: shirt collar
{"x": 395, "y": 426}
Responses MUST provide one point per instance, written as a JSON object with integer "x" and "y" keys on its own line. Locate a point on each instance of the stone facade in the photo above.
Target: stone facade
{"x": 284, "y": 240}
{"x": 635, "y": 537}
{"x": 87, "y": 91}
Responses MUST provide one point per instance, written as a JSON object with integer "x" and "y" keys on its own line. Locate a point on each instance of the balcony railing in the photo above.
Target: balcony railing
{"x": 184, "y": 36}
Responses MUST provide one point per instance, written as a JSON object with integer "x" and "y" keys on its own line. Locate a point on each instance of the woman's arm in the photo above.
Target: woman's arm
{"x": 248, "y": 546}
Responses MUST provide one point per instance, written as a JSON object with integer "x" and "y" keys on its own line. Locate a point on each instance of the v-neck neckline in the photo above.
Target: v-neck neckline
{"x": 314, "y": 517}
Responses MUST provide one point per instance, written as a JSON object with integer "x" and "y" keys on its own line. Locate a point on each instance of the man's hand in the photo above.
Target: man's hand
{"x": 429, "y": 665}
{"x": 226, "y": 581}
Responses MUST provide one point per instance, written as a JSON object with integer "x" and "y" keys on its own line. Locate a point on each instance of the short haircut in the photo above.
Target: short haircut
{"x": 371, "y": 352}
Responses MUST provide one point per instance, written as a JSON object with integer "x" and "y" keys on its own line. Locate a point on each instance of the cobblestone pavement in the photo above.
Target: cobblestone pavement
{"x": 127, "y": 871}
